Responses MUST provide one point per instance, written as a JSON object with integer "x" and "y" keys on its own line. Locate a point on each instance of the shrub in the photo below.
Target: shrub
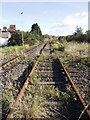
{"x": 61, "y": 47}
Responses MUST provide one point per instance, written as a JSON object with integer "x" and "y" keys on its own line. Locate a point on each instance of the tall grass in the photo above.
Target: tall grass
{"x": 77, "y": 49}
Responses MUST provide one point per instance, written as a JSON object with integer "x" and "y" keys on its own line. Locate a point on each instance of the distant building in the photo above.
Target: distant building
{"x": 5, "y": 29}
{"x": 3, "y": 42}
{"x": 12, "y": 28}
{"x": 5, "y": 35}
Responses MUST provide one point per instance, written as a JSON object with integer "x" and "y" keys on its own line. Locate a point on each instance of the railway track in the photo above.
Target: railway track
{"x": 15, "y": 74}
{"x": 13, "y": 77}
{"x": 48, "y": 92}
{"x": 78, "y": 70}
{"x": 28, "y": 52}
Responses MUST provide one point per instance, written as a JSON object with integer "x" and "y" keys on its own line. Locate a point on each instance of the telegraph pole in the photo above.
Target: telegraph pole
{"x": 22, "y": 29}
{"x": 38, "y": 34}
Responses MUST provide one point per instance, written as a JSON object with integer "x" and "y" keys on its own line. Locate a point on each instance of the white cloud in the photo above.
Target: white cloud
{"x": 77, "y": 14}
{"x": 77, "y": 19}
{"x": 69, "y": 24}
{"x": 84, "y": 13}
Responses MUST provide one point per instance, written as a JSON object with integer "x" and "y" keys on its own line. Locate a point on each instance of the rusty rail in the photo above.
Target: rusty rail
{"x": 4, "y": 65}
{"x": 24, "y": 87}
{"x": 27, "y": 81}
{"x": 72, "y": 83}
{"x": 11, "y": 61}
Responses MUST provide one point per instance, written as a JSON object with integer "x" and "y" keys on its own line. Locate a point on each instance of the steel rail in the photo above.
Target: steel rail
{"x": 4, "y": 65}
{"x": 75, "y": 88}
{"x": 9, "y": 116}
{"x": 27, "y": 81}
{"x": 72, "y": 83}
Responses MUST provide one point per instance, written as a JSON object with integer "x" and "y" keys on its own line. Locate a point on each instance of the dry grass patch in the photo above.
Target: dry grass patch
{"x": 77, "y": 49}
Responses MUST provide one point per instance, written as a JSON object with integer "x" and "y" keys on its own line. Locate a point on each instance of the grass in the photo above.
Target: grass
{"x": 47, "y": 47}
{"x": 7, "y": 101}
{"x": 42, "y": 95}
{"x": 44, "y": 55}
{"x": 77, "y": 49}
{"x": 36, "y": 97}
{"x": 5, "y": 50}
{"x": 38, "y": 42}
{"x": 58, "y": 46}
{"x": 34, "y": 78}
{"x": 48, "y": 57}
{"x": 54, "y": 56}
{"x": 35, "y": 107}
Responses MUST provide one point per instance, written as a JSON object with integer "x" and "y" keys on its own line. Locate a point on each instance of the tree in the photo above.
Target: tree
{"x": 30, "y": 38}
{"x": 78, "y": 35}
{"x": 78, "y": 31}
{"x": 16, "y": 38}
{"x": 35, "y": 29}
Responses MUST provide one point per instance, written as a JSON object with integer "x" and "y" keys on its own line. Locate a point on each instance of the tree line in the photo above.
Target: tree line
{"x": 78, "y": 36}
{"x": 35, "y": 36}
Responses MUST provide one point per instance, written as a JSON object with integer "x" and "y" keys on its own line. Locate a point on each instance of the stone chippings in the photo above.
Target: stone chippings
{"x": 48, "y": 101}
{"x": 13, "y": 77}
{"x": 13, "y": 72}
{"x": 32, "y": 52}
{"x": 80, "y": 76}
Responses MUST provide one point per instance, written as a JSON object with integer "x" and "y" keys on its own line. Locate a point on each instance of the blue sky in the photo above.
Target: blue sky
{"x": 56, "y": 18}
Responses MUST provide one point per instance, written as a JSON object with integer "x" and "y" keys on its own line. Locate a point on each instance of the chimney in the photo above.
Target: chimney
{"x": 5, "y": 29}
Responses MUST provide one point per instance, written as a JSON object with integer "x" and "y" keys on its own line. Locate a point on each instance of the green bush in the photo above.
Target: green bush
{"x": 53, "y": 42}
{"x": 79, "y": 36}
{"x": 16, "y": 38}
{"x": 61, "y": 47}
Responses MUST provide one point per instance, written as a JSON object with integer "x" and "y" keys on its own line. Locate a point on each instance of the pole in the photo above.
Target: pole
{"x": 38, "y": 34}
{"x": 22, "y": 38}
{"x": 22, "y": 29}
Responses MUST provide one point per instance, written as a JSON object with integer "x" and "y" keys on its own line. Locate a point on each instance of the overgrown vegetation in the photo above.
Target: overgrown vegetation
{"x": 76, "y": 46}
{"x": 38, "y": 99}
{"x": 78, "y": 36}
{"x": 34, "y": 78}
{"x": 10, "y": 49}
{"x": 74, "y": 51}
{"x": 58, "y": 46}
{"x": 32, "y": 37}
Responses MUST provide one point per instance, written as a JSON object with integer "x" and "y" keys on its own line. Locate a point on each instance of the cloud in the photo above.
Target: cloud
{"x": 68, "y": 25}
{"x": 58, "y": 25}
{"x": 76, "y": 19}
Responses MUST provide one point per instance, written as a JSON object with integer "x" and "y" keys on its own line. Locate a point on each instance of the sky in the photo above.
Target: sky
{"x": 54, "y": 18}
